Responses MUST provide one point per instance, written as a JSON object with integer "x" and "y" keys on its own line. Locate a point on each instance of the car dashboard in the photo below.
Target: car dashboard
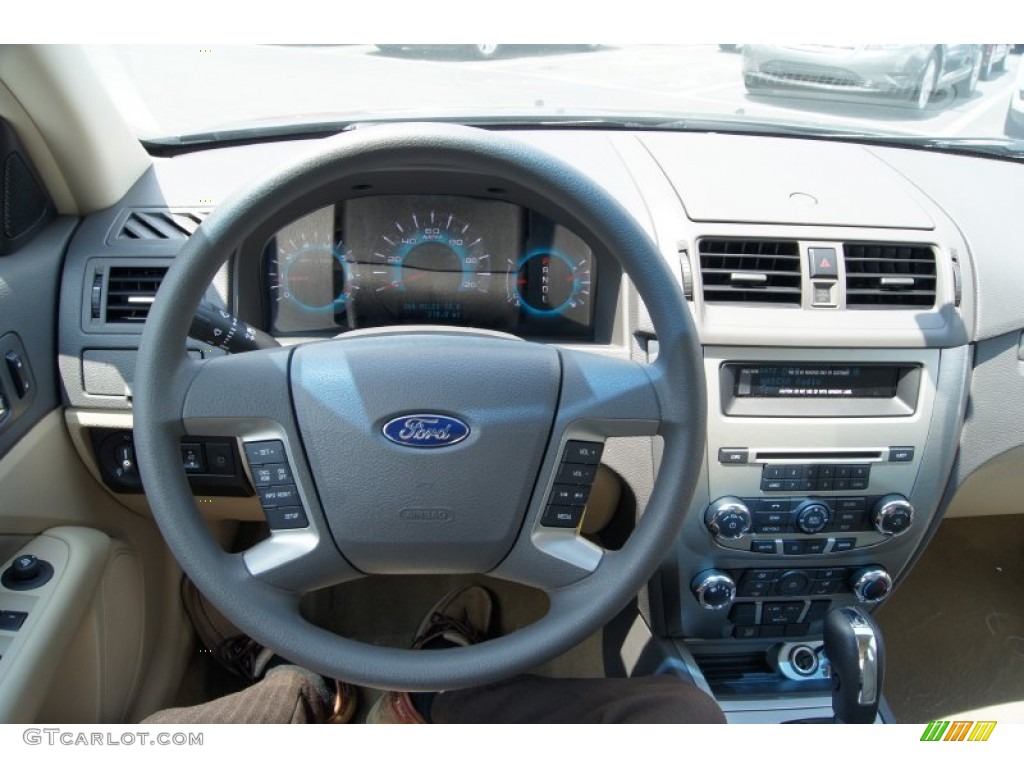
{"x": 849, "y": 300}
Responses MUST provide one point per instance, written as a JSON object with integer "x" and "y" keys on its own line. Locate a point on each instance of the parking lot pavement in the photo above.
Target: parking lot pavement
{"x": 186, "y": 89}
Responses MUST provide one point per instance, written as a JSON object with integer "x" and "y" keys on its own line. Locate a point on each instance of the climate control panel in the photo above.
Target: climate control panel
{"x": 807, "y": 525}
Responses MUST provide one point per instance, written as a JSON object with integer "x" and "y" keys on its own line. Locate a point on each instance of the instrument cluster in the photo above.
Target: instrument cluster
{"x": 433, "y": 260}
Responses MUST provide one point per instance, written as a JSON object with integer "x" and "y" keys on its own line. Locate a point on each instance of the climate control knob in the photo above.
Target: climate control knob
{"x": 892, "y": 515}
{"x": 813, "y": 517}
{"x": 871, "y": 584}
{"x": 713, "y": 589}
{"x": 728, "y": 518}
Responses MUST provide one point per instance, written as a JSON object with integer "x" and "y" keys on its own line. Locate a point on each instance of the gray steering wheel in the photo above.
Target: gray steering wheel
{"x": 372, "y": 506}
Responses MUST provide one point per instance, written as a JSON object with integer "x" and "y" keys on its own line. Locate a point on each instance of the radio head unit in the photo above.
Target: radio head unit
{"x": 823, "y": 389}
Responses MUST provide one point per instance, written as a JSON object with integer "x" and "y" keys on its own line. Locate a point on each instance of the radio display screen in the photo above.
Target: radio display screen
{"x": 782, "y": 380}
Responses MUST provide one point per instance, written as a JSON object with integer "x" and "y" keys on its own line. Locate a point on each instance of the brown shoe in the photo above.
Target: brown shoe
{"x": 244, "y": 657}
{"x": 345, "y": 698}
{"x": 460, "y": 618}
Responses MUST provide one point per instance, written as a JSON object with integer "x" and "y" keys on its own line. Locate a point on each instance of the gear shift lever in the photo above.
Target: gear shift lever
{"x": 853, "y": 645}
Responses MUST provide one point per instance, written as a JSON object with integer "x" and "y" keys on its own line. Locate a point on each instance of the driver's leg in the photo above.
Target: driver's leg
{"x": 532, "y": 699}
{"x": 277, "y": 692}
{"x": 287, "y": 694}
{"x": 463, "y": 616}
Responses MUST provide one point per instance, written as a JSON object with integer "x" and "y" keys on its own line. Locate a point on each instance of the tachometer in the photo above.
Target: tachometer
{"x": 311, "y": 280}
{"x": 430, "y": 266}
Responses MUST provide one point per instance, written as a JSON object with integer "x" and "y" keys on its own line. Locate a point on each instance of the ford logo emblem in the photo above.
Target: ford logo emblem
{"x": 426, "y": 430}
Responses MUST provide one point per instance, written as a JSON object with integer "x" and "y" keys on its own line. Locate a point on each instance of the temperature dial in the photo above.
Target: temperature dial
{"x": 713, "y": 589}
{"x": 871, "y": 584}
{"x": 892, "y": 515}
{"x": 728, "y": 518}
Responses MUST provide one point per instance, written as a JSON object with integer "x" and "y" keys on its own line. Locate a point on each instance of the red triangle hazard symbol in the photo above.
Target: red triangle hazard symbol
{"x": 824, "y": 263}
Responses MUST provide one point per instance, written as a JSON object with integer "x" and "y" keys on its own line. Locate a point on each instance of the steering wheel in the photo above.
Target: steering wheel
{"x": 373, "y": 506}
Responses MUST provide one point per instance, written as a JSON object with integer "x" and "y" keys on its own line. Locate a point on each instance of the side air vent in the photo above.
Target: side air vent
{"x": 130, "y": 293}
{"x": 889, "y": 275}
{"x": 750, "y": 271}
{"x": 160, "y": 224}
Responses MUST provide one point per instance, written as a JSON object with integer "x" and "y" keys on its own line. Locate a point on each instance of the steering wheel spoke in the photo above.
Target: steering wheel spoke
{"x": 246, "y": 397}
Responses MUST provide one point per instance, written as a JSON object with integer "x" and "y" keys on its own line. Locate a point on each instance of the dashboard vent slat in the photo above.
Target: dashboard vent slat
{"x": 130, "y": 293}
{"x": 750, "y": 271}
{"x": 889, "y": 275}
{"x": 160, "y": 224}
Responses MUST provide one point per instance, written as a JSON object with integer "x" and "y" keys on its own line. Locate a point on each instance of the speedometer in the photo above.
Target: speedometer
{"x": 430, "y": 266}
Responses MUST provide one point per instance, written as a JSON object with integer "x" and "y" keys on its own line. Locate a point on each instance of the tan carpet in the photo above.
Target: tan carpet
{"x": 954, "y": 630}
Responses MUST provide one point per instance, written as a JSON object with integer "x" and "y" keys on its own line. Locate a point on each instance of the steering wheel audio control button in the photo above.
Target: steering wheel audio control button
{"x": 265, "y": 452}
{"x": 286, "y": 518}
{"x": 570, "y": 495}
{"x": 580, "y": 452}
{"x": 577, "y": 474}
{"x": 561, "y": 517}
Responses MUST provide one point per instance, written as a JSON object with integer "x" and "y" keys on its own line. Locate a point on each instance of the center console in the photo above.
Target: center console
{"x": 823, "y": 475}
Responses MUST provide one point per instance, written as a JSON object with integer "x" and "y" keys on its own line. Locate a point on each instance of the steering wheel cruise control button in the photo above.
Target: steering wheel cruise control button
{"x": 266, "y": 452}
{"x": 272, "y": 474}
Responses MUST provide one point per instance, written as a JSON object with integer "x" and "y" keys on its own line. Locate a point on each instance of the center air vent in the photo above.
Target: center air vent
{"x": 889, "y": 275}
{"x": 160, "y": 224}
{"x": 750, "y": 271}
{"x": 130, "y": 293}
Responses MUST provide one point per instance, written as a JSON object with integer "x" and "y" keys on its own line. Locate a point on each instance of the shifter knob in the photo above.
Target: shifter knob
{"x": 853, "y": 645}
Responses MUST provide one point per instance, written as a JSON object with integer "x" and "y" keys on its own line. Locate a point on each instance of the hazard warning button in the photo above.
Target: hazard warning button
{"x": 823, "y": 262}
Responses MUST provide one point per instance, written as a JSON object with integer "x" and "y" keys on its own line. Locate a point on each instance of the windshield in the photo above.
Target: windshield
{"x": 188, "y": 94}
